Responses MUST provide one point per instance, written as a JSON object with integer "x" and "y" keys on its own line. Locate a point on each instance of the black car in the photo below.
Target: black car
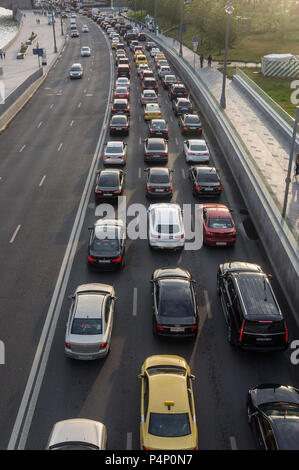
{"x": 130, "y": 37}
{"x": 107, "y": 243}
{"x": 74, "y": 33}
{"x": 168, "y": 80}
{"x": 120, "y": 106}
{"x": 119, "y": 124}
{"x": 155, "y": 150}
{"x": 175, "y": 311}
{"x": 273, "y": 413}
{"x": 253, "y": 316}
{"x": 182, "y": 106}
{"x": 149, "y": 45}
{"x": 205, "y": 181}
{"x": 158, "y": 182}
{"x": 109, "y": 184}
{"x": 177, "y": 90}
{"x": 190, "y": 124}
{"x": 123, "y": 71}
{"x": 158, "y": 128}
{"x": 149, "y": 84}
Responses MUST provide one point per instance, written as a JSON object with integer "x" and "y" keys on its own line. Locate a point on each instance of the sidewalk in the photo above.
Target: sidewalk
{"x": 15, "y": 71}
{"x": 266, "y": 145}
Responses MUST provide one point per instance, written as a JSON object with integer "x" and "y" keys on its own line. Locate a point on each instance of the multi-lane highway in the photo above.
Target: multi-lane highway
{"x": 48, "y": 158}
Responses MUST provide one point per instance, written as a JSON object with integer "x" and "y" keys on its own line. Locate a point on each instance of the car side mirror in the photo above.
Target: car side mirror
{"x": 140, "y": 376}
{"x": 192, "y": 377}
{"x": 71, "y": 297}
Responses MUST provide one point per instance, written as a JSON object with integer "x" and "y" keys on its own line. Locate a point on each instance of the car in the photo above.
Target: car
{"x": 121, "y": 92}
{"x": 165, "y": 226}
{"x": 159, "y": 56}
{"x": 123, "y": 71}
{"x": 120, "y": 53}
{"x": 205, "y": 181}
{"x": 163, "y": 70}
{"x": 154, "y": 51}
{"x": 114, "y": 43}
{"x": 118, "y": 57}
{"x": 140, "y": 59}
{"x": 158, "y": 128}
{"x": 90, "y": 322}
{"x": 218, "y": 225}
{"x": 196, "y": 151}
{"x": 148, "y": 73}
{"x": 78, "y": 434}
{"x": 107, "y": 244}
{"x": 141, "y": 68}
{"x": 109, "y": 185}
{"x": 148, "y": 96}
{"x": 168, "y": 420}
{"x": 123, "y": 61}
{"x": 175, "y": 310}
{"x": 158, "y": 182}
{"x": 76, "y": 71}
{"x": 190, "y": 124}
{"x": 75, "y": 33}
{"x": 120, "y": 106}
{"x": 119, "y": 124}
{"x": 253, "y": 316}
{"x": 149, "y": 83}
{"x": 149, "y": 45}
{"x": 120, "y": 45}
{"x": 138, "y": 49}
{"x": 155, "y": 150}
{"x": 85, "y": 28}
{"x": 115, "y": 153}
{"x": 273, "y": 414}
{"x": 141, "y": 37}
{"x": 133, "y": 44}
{"x": 161, "y": 63}
{"x": 168, "y": 80}
{"x": 177, "y": 90}
{"x": 182, "y": 106}
{"x": 152, "y": 111}
{"x": 123, "y": 81}
{"x": 85, "y": 51}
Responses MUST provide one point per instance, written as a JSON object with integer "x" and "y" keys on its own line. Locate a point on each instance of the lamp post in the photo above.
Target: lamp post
{"x": 53, "y": 25}
{"x": 288, "y": 178}
{"x": 228, "y": 10}
{"x": 155, "y": 16}
{"x": 181, "y": 28}
{"x": 61, "y": 24}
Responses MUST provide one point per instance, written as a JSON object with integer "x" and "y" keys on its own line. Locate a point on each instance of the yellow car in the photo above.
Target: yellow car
{"x": 152, "y": 111}
{"x": 140, "y": 59}
{"x": 159, "y": 56}
{"x": 114, "y": 44}
{"x": 167, "y": 405}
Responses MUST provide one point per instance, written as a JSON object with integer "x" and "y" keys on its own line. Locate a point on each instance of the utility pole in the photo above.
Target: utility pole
{"x": 181, "y": 28}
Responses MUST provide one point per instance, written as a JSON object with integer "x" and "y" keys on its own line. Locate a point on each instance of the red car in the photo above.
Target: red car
{"x": 122, "y": 93}
{"x": 218, "y": 226}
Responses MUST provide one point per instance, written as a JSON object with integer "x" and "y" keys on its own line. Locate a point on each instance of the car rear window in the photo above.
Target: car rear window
{"x": 108, "y": 180}
{"x": 121, "y": 121}
{"x": 192, "y": 120}
{"x": 175, "y": 300}
{"x": 158, "y": 125}
{"x": 264, "y": 327}
{"x": 86, "y": 326}
{"x": 220, "y": 223}
{"x": 169, "y": 424}
{"x": 207, "y": 177}
{"x": 156, "y": 146}
{"x": 104, "y": 244}
{"x": 155, "y": 178}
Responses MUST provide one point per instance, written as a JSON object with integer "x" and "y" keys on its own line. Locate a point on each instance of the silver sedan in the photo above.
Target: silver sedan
{"x": 89, "y": 326}
{"x": 78, "y": 434}
{"x": 115, "y": 153}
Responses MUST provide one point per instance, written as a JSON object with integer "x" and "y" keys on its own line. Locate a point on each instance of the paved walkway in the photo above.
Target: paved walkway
{"x": 15, "y": 71}
{"x": 266, "y": 145}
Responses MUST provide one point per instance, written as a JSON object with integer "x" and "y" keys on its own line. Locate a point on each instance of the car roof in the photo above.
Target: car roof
{"x": 197, "y": 141}
{"x": 110, "y": 171}
{"x": 89, "y": 305}
{"x": 217, "y": 210}
{"x": 168, "y": 387}
{"x": 117, "y": 116}
{"x": 121, "y": 100}
{"x": 155, "y": 170}
{"x": 239, "y": 266}
{"x": 117, "y": 143}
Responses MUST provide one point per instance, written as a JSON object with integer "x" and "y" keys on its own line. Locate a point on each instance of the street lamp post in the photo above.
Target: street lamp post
{"x": 288, "y": 178}
{"x": 61, "y": 24}
{"x": 228, "y": 10}
{"x": 181, "y": 28}
{"x": 155, "y": 16}
{"x": 54, "y": 34}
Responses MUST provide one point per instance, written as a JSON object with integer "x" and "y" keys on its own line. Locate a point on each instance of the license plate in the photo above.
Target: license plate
{"x": 119, "y": 128}
{"x": 104, "y": 261}
{"x": 221, "y": 243}
{"x": 264, "y": 339}
{"x": 84, "y": 357}
{"x": 107, "y": 194}
{"x": 177, "y": 329}
{"x": 209, "y": 189}
{"x": 159, "y": 190}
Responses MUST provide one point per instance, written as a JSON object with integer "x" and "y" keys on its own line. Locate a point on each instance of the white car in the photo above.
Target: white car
{"x": 196, "y": 151}
{"x": 85, "y": 51}
{"x": 90, "y": 322}
{"x": 164, "y": 70}
{"x": 154, "y": 51}
{"x": 122, "y": 81}
{"x": 85, "y": 28}
{"x": 76, "y": 71}
{"x": 78, "y": 434}
{"x": 148, "y": 96}
{"x": 115, "y": 153}
{"x": 165, "y": 226}
{"x": 141, "y": 68}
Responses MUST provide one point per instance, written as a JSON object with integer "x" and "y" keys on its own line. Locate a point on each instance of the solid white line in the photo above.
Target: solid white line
{"x": 15, "y": 234}
{"x": 59, "y": 148}
{"x": 42, "y": 180}
{"x": 176, "y": 141}
{"x": 183, "y": 173}
{"x": 135, "y": 291}
{"x": 22, "y": 148}
{"x": 233, "y": 443}
{"x": 79, "y": 105}
{"x": 140, "y": 141}
{"x": 207, "y": 303}
{"x": 39, "y": 124}
{"x": 139, "y": 172}
{"x": 30, "y": 396}
{"x": 129, "y": 441}
{"x": 71, "y": 123}
{"x": 51, "y": 105}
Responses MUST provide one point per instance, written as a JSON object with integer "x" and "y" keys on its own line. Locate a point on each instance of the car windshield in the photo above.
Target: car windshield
{"x": 175, "y": 299}
{"x": 121, "y": 90}
{"x": 119, "y": 105}
{"x": 198, "y": 147}
{"x": 159, "y": 178}
{"x": 86, "y": 326}
{"x": 220, "y": 223}
{"x": 76, "y": 68}
{"x": 149, "y": 94}
{"x": 108, "y": 180}
{"x": 169, "y": 424}
{"x": 207, "y": 177}
{"x": 102, "y": 244}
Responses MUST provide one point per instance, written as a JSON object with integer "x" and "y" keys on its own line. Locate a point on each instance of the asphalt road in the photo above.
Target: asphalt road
{"x": 108, "y": 390}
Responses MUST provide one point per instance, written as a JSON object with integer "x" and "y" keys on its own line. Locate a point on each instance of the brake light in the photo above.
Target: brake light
{"x": 154, "y": 236}
{"x": 105, "y": 157}
{"x": 91, "y": 259}
{"x": 219, "y": 188}
{"x": 199, "y": 188}
{"x": 182, "y": 236}
{"x": 67, "y": 345}
{"x": 113, "y": 109}
{"x": 103, "y": 345}
{"x": 241, "y": 332}
{"x": 116, "y": 260}
{"x": 144, "y": 448}
{"x": 194, "y": 327}
{"x": 287, "y": 333}
{"x": 97, "y": 191}
{"x": 163, "y": 154}
{"x": 160, "y": 327}
{"x": 209, "y": 234}
{"x": 200, "y": 128}
{"x": 189, "y": 153}
{"x": 148, "y": 154}
{"x": 117, "y": 192}
{"x": 185, "y": 128}
{"x": 169, "y": 189}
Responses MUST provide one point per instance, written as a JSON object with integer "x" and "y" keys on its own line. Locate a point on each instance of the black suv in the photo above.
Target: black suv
{"x": 254, "y": 319}
{"x": 177, "y": 90}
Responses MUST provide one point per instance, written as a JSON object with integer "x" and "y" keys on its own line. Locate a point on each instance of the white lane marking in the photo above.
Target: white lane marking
{"x": 207, "y": 303}
{"x": 89, "y": 94}
{"x": 183, "y": 173}
{"x": 135, "y": 293}
{"x": 139, "y": 172}
{"x": 129, "y": 441}
{"x": 71, "y": 123}
{"x": 40, "y": 124}
{"x": 176, "y": 141}
{"x": 42, "y": 180}
{"x": 15, "y": 234}
{"x": 233, "y": 443}
{"x": 59, "y": 148}
{"x": 51, "y": 105}
{"x": 22, "y": 148}
{"x": 139, "y": 118}
{"x": 171, "y": 118}
{"x": 140, "y": 141}
{"x": 79, "y": 105}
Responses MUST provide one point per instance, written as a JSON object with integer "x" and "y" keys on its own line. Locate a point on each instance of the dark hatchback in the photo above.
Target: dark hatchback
{"x": 273, "y": 413}
{"x": 190, "y": 124}
{"x": 119, "y": 124}
{"x": 205, "y": 181}
{"x": 175, "y": 311}
{"x": 177, "y": 90}
{"x": 120, "y": 106}
{"x": 109, "y": 185}
{"x": 182, "y": 106}
{"x": 149, "y": 84}
{"x": 107, "y": 243}
{"x": 123, "y": 71}
{"x": 168, "y": 80}
{"x": 158, "y": 128}
{"x": 158, "y": 182}
{"x": 155, "y": 150}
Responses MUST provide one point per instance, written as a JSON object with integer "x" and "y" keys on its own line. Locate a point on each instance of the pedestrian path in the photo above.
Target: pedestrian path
{"x": 15, "y": 71}
{"x": 266, "y": 145}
